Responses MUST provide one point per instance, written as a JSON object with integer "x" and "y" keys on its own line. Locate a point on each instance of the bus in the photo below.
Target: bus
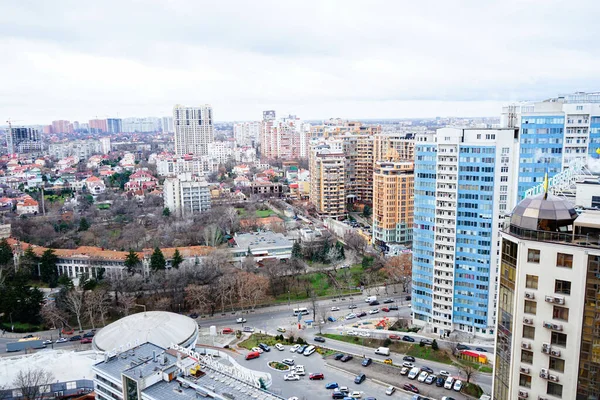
{"x": 301, "y": 310}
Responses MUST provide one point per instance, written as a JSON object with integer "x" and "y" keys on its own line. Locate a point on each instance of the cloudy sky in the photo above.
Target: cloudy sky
{"x": 318, "y": 59}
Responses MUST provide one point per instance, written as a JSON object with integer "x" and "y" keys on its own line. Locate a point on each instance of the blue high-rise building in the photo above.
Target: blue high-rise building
{"x": 464, "y": 186}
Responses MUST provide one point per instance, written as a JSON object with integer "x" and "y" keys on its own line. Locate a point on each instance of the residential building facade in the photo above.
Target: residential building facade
{"x": 246, "y": 133}
{"x": 82, "y": 149}
{"x": 185, "y": 195}
{"x": 98, "y": 126}
{"x": 286, "y": 138}
{"x": 463, "y": 190}
{"x": 193, "y": 129}
{"x": 24, "y": 141}
{"x": 114, "y": 125}
{"x": 548, "y": 305}
{"x": 327, "y": 181}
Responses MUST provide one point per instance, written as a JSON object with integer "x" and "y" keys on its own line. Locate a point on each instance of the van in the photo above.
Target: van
{"x": 370, "y": 299}
{"x": 414, "y": 372}
{"x": 309, "y": 350}
{"x": 384, "y": 351}
{"x": 252, "y": 355}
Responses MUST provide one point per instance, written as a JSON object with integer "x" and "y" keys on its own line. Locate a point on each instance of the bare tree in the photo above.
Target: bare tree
{"x": 126, "y": 303}
{"x": 469, "y": 371}
{"x": 204, "y": 297}
{"x": 356, "y": 242}
{"x": 211, "y": 235}
{"x": 33, "y": 383}
{"x": 96, "y": 305}
{"x": 74, "y": 303}
{"x": 399, "y": 270}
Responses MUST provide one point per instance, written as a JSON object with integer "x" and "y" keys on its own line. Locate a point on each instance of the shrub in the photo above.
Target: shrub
{"x": 434, "y": 345}
{"x": 421, "y": 344}
{"x": 387, "y": 342}
{"x": 300, "y": 341}
{"x": 291, "y": 339}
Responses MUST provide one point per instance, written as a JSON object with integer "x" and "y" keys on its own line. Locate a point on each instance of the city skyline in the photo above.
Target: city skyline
{"x": 318, "y": 61}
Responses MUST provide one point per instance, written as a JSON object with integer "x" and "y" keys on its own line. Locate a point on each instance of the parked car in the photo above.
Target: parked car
{"x": 404, "y": 370}
{"x": 75, "y": 338}
{"x": 281, "y": 329}
{"x": 374, "y": 311}
{"x": 252, "y": 355}
{"x": 385, "y": 309}
{"x": 388, "y": 301}
{"x": 408, "y": 298}
{"x": 439, "y": 382}
{"x": 331, "y": 385}
{"x": 338, "y": 395}
{"x": 393, "y": 308}
{"x": 85, "y": 340}
{"x": 279, "y": 346}
{"x": 360, "y": 378}
{"x": 227, "y": 331}
{"x": 248, "y": 329}
{"x": 366, "y": 362}
{"x": 410, "y": 388}
{"x": 356, "y": 394}
{"x": 194, "y": 315}
{"x": 352, "y": 306}
{"x": 346, "y": 358}
{"x": 361, "y": 314}
{"x": 351, "y": 316}
{"x": 388, "y": 361}
{"x": 430, "y": 379}
{"x": 258, "y": 350}
{"x": 407, "y": 364}
{"x": 319, "y": 339}
{"x": 408, "y": 339}
{"x": 241, "y": 320}
{"x": 480, "y": 349}
{"x": 344, "y": 389}
{"x": 390, "y": 390}
{"x": 427, "y": 369}
{"x": 89, "y": 334}
{"x": 449, "y": 383}
{"x": 264, "y": 347}
{"x": 47, "y": 341}
{"x": 288, "y": 361}
{"x": 457, "y": 385}
{"x": 299, "y": 370}
{"x": 316, "y": 376}
{"x": 422, "y": 376}
{"x": 408, "y": 358}
{"x": 426, "y": 342}
{"x": 62, "y": 340}
{"x": 462, "y": 347}
{"x": 302, "y": 348}
{"x": 67, "y": 331}
{"x": 331, "y": 319}
{"x": 291, "y": 377}
{"x": 335, "y": 308}
{"x": 338, "y": 356}
{"x": 294, "y": 348}
{"x": 374, "y": 303}
{"x": 394, "y": 337}
{"x": 444, "y": 373}
{"x": 414, "y": 372}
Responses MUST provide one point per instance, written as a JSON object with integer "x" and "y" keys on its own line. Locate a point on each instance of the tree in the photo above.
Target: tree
{"x": 48, "y": 272}
{"x": 132, "y": 261}
{"x": 30, "y": 383}
{"x": 367, "y": 211}
{"x": 84, "y": 225}
{"x": 434, "y": 345}
{"x": 399, "y": 270}
{"x": 53, "y": 316}
{"x": 297, "y": 250}
{"x": 177, "y": 260}
{"x": 212, "y": 235}
{"x": 166, "y": 212}
{"x": 469, "y": 370}
{"x": 29, "y": 262}
{"x": 356, "y": 242}
{"x": 157, "y": 260}
{"x": 74, "y": 303}
{"x": 6, "y": 254}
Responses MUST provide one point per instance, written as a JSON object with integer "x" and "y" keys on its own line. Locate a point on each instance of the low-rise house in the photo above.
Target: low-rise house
{"x": 260, "y": 245}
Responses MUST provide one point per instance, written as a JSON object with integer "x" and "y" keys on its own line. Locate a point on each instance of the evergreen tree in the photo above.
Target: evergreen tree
{"x": 48, "y": 272}
{"x": 166, "y": 212}
{"x": 131, "y": 261}
{"x": 296, "y": 250}
{"x": 157, "y": 260}
{"x": 367, "y": 211}
{"x": 177, "y": 259}
{"x": 324, "y": 252}
{"x": 6, "y": 254}
{"x": 28, "y": 263}
{"x": 340, "y": 247}
{"x": 84, "y": 225}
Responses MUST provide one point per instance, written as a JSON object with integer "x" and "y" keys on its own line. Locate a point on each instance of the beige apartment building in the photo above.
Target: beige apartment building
{"x": 327, "y": 181}
{"x": 403, "y": 143}
{"x": 393, "y": 200}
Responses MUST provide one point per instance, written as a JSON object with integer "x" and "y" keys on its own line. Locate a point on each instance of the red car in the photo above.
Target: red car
{"x": 227, "y": 331}
{"x": 316, "y": 376}
{"x": 385, "y": 309}
{"x": 86, "y": 340}
{"x": 67, "y": 331}
{"x": 395, "y": 337}
{"x": 410, "y": 388}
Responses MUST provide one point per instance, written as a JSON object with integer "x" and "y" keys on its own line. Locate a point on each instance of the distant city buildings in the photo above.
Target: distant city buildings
{"x": 464, "y": 187}
{"x": 114, "y": 125}
{"x": 98, "y": 126}
{"x": 24, "y": 141}
{"x": 105, "y": 145}
{"x": 141, "y": 125}
{"x": 167, "y": 124}
{"x": 286, "y": 139}
{"x": 61, "y": 126}
{"x": 193, "y": 129}
{"x": 185, "y": 195}
{"x": 246, "y": 133}
{"x": 82, "y": 149}
{"x": 221, "y": 151}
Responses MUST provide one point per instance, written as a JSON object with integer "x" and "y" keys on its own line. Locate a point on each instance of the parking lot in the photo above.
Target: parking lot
{"x": 334, "y": 372}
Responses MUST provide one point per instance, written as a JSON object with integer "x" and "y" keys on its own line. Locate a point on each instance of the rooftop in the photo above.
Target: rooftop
{"x": 135, "y": 360}
{"x": 261, "y": 240}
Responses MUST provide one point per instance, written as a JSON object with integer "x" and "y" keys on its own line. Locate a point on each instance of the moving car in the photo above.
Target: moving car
{"x": 422, "y": 376}
{"x": 393, "y": 308}
{"x": 366, "y": 362}
{"x": 344, "y": 389}
{"x": 281, "y": 329}
{"x": 480, "y": 349}
{"x": 384, "y": 351}
{"x": 351, "y": 316}
{"x": 426, "y": 342}
{"x": 388, "y": 361}
{"x": 331, "y": 319}
{"x": 374, "y": 303}
{"x": 338, "y": 395}
{"x": 408, "y": 339}
{"x": 47, "y": 341}
{"x": 291, "y": 377}
{"x": 361, "y": 314}
{"x": 288, "y": 361}
{"x": 248, "y": 329}
{"x": 449, "y": 383}
{"x": 279, "y": 346}
{"x": 427, "y": 369}
{"x": 258, "y": 350}
{"x": 320, "y": 339}
{"x": 89, "y": 334}
{"x": 335, "y": 308}
{"x": 408, "y": 358}
{"x": 331, "y": 385}
{"x": 299, "y": 370}
{"x": 346, "y": 358}
{"x": 444, "y": 373}
{"x": 62, "y": 340}
{"x": 264, "y": 347}
{"x": 388, "y": 301}
{"x": 408, "y": 364}
{"x": 67, "y": 331}
{"x": 352, "y": 306}
{"x": 394, "y": 337}
{"x": 385, "y": 309}
{"x": 86, "y": 340}
{"x": 457, "y": 385}
{"x": 356, "y": 394}
{"x": 252, "y": 355}
{"x": 462, "y": 347}
{"x": 75, "y": 338}
{"x": 316, "y": 376}
{"x": 194, "y": 315}
{"x": 447, "y": 398}
{"x": 410, "y": 388}
{"x": 241, "y": 320}
{"x": 227, "y": 331}
{"x": 374, "y": 311}
{"x": 390, "y": 390}
{"x": 360, "y": 378}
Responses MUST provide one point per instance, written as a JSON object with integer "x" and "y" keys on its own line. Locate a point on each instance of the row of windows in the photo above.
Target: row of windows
{"x": 562, "y": 259}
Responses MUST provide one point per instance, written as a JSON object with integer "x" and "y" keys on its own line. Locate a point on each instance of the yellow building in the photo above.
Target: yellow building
{"x": 403, "y": 143}
{"x": 393, "y": 199}
{"x": 327, "y": 177}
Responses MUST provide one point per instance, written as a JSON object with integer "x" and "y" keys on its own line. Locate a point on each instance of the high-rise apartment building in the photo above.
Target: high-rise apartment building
{"x": 358, "y": 151}
{"x": 193, "y": 129}
{"x": 548, "y": 333}
{"x": 24, "y": 140}
{"x": 105, "y": 145}
{"x": 554, "y": 133}
{"x": 463, "y": 189}
{"x": 62, "y": 126}
{"x": 246, "y": 133}
{"x": 393, "y": 200}
{"x": 327, "y": 181}
{"x": 114, "y": 125}
{"x": 98, "y": 126}
{"x": 141, "y": 125}
{"x": 185, "y": 195}
{"x": 402, "y": 143}
{"x": 167, "y": 124}
{"x": 287, "y": 138}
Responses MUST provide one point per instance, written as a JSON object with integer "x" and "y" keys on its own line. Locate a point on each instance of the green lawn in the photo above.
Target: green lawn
{"x": 484, "y": 368}
{"x": 257, "y": 338}
{"x": 264, "y": 213}
{"x": 427, "y": 353}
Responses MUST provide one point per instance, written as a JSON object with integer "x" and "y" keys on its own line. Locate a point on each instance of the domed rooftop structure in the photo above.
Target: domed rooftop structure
{"x": 158, "y": 327}
{"x": 544, "y": 212}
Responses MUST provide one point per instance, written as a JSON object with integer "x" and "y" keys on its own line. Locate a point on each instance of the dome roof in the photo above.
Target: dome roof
{"x": 158, "y": 327}
{"x": 544, "y": 213}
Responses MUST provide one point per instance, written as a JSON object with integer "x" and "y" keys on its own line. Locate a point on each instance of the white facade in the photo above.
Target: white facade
{"x": 105, "y": 145}
{"x": 147, "y": 124}
{"x": 193, "y": 129}
{"x": 185, "y": 196}
{"x": 167, "y": 124}
{"x": 246, "y": 133}
{"x": 82, "y": 149}
{"x": 198, "y": 166}
{"x": 221, "y": 151}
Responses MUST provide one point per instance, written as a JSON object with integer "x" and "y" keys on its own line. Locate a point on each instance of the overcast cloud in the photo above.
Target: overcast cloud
{"x": 317, "y": 59}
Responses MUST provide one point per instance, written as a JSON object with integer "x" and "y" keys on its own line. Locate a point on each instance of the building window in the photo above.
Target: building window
{"x": 530, "y": 307}
{"x": 554, "y": 389}
{"x": 527, "y": 356}
{"x": 556, "y": 364}
{"x": 562, "y": 287}
{"x": 558, "y": 339}
{"x": 528, "y": 332}
{"x": 533, "y": 256}
{"x": 561, "y": 313}
{"x": 564, "y": 260}
{"x": 525, "y": 380}
{"x": 531, "y": 282}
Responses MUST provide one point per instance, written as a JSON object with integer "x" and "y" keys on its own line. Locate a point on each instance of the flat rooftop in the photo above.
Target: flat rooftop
{"x": 261, "y": 240}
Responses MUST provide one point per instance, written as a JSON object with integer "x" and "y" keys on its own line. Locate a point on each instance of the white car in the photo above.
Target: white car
{"x": 404, "y": 370}
{"x": 299, "y": 370}
{"x": 444, "y": 373}
{"x": 47, "y": 341}
{"x": 294, "y": 348}
{"x": 374, "y": 311}
{"x": 291, "y": 377}
{"x": 248, "y": 329}
{"x": 240, "y": 320}
{"x": 257, "y": 349}
{"x": 364, "y": 334}
{"x": 390, "y": 390}
{"x": 407, "y": 364}
{"x": 62, "y": 340}
{"x": 335, "y": 309}
{"x": 352, "y": 333}
{"x": 422, "y": 376}
{"x": 356, "y": 394}
{"x": 351, "y": 316}
{"x": 457, "y": 385}
{"x": 288, "y": 361}
{"x": 279, "y": 346}
{"x": 449, "y": 382}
